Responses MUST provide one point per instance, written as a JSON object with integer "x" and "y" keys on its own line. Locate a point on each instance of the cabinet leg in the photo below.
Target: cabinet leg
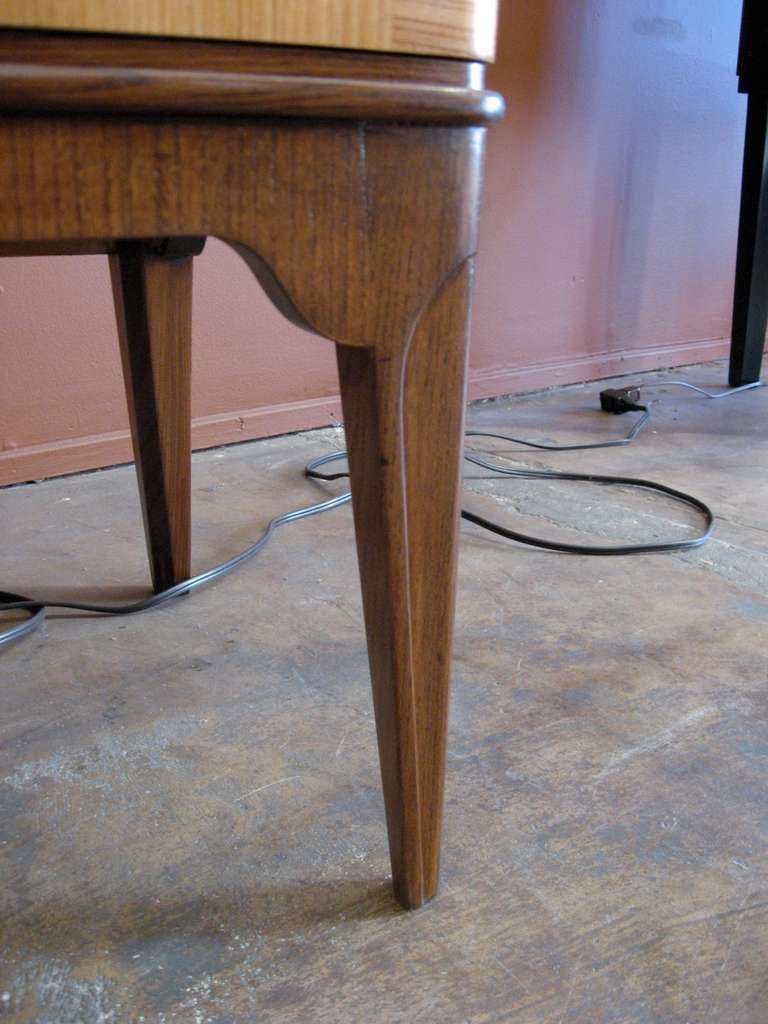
{"x": 750, "y": 301}
{"x": 404, "y": 420}
{"x": 152, "y": 291}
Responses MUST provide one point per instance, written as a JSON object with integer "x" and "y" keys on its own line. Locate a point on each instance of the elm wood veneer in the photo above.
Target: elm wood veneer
{"x": 451, "y": 28}
{"x": 202, "y": 55}
{"x": 361, "y": 231}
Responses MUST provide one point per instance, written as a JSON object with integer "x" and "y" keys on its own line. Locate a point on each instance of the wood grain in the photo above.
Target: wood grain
{"x": 153, "y": 304}
{"x": 404, "y": 418}
{"x": 318, "y": 208}
{"x": 456, "y": 28}
{"x": 87, "y": 50}
{"x": 152, "y": 90}
{"x": 362, "y": 233}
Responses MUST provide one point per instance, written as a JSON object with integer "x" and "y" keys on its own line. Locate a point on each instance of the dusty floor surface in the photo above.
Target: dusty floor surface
{"x": 191, "y": 826}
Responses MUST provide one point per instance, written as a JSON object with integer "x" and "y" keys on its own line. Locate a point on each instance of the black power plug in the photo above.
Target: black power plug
{"x": 620, "y": 400}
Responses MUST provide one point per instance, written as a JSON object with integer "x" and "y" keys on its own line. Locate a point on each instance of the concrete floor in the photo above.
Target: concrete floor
{"x": 191, "y": 826}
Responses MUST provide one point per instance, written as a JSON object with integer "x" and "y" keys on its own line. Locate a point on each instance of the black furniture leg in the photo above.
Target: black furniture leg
{"x": 750, "y": 300}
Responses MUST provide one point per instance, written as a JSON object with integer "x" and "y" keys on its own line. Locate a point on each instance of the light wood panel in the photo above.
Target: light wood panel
{"x": 455, "y": 28}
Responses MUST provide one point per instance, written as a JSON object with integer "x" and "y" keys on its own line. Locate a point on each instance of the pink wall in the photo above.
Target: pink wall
{"x": 607, "y": 244}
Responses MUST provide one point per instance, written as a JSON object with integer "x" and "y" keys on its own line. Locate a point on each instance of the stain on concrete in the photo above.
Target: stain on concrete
{"x": 191, "y": 821}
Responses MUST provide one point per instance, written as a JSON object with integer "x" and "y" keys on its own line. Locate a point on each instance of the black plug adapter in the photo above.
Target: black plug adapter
{"x": 620, "y": 400}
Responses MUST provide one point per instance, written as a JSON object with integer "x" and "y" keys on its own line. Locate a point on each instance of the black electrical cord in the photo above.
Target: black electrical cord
{"x": 708, "y": 394}
{"x": 551, "y": 474}
{"x": 36, "y": 607}
{"x": 594, "y": 478}
{"x": 619, "y": 403}
{"x": 545, "y": 447}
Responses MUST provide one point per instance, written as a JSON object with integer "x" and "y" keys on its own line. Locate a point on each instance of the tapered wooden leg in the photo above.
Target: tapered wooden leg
{"x": 362, "y": 233}
{"x": 403, "y": 416}
{"x": 750, "y": 301}
{"x": 152, "y": 289}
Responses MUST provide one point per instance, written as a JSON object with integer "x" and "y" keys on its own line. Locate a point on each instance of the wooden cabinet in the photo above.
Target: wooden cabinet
{"x": 455, "y": 28}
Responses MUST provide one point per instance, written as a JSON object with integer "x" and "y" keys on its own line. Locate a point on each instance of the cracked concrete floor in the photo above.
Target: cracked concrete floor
{"x": 191, "y": 827}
